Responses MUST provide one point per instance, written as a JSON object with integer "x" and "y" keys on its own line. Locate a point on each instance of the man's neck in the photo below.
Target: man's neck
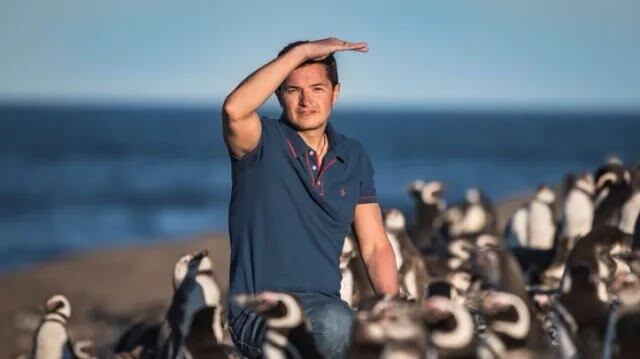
{"x": 313, "y": 138}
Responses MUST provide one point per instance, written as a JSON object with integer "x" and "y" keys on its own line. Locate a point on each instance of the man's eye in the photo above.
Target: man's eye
{"x": 292, "y": 90}
{"x": 318, "y": 88}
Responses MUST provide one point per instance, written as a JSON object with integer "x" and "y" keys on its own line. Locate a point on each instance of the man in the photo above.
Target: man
{"x": 298, "y": 185}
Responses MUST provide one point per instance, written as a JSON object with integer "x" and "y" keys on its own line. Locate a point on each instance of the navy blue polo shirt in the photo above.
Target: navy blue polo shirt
{"x": 289, "y": 214}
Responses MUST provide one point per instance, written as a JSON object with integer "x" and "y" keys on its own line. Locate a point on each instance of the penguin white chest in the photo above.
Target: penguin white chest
{"x": 578, "y": 214}
{"x": 51, "y": 341}
{"x": 541, "y": 226}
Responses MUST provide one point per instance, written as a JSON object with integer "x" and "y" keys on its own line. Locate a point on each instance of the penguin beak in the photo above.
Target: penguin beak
{"x": 53, "y": 307}
{"x": 198, "y": 256}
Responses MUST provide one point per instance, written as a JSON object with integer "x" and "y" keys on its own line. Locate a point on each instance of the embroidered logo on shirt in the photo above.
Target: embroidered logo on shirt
{"x": 342, "y": 192}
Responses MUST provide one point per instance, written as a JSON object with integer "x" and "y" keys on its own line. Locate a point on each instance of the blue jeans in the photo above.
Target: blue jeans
{"x": 331, "y": 322}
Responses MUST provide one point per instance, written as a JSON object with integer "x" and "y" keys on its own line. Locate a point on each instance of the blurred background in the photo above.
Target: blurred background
{"x": 110, "y": 130}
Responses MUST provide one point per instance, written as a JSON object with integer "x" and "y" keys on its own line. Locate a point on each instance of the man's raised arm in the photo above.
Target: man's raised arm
{"x": 241, "y": 124}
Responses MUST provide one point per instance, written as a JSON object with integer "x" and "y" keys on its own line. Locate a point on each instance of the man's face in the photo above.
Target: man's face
{"x": 308, "y": 97}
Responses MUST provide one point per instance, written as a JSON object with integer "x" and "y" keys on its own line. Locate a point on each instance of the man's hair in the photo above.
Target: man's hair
{"x": 329, "y": 62}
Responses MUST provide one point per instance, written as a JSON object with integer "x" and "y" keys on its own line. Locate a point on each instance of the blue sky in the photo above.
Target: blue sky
{"x": 424, "y": 53}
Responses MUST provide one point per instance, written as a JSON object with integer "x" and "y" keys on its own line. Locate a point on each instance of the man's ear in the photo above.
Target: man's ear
{"x": 336, "y": 92}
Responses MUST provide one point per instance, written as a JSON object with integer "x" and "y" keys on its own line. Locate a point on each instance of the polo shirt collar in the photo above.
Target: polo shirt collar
{"x": 336, "y": 142}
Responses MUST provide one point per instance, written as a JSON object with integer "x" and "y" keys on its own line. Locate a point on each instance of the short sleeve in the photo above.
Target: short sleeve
{"x": 255, "y": 154}
{"x": 367, "y": 184}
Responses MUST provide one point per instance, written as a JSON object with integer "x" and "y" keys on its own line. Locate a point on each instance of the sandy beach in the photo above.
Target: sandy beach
{"x": 111, "y": 289}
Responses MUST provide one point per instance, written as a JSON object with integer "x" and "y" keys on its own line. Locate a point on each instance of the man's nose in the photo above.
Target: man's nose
{"x": 304, "y": 98}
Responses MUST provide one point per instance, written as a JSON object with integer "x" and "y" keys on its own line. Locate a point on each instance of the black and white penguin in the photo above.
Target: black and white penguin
{"x": 613, "y": 190}
{"x": 288, "y": 332}
{"x": 354, "y": 283}
{"x": 517, "y": 229}
{"x": 631, "y": 208}
{"x": 429, "y": 206}
{"x": 476, "y": 215}
{"x": 194, "y": 323}
{"x": 412, "y": 272}
{"x": 604, "y": 250}
{"x": 578, "y": 209}
{"x": 624, "y": 318}
{"x": 51, "y": 339}
{"x": 533, "y": 225}
{"x": 531, "y": 234}
{"x": 450, "y": 325}
{"x": 389, "y": 328}
{"x": 577, "y": 219}
{"x": 581, "y": 296}
{"x": 542, "y": 227}
{"x": 499, "y": 271}
{"x": 511, "y": 325}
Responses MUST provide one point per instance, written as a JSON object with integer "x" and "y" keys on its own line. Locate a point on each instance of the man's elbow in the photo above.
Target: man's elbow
{"x": 230, "y": 110}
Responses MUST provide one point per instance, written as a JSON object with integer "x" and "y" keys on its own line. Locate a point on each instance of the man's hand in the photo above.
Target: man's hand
{"x": 320, "y": 49}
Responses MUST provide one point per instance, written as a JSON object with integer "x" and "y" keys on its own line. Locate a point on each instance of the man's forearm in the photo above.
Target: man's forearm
{"x": 260, "y": 85}
{"x": 381, "y": 266}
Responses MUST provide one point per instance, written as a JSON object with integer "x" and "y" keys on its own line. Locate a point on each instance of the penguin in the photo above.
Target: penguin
{"x": 194, "y": 324}
{"x": 389, "y": 328}
{"x": 613, "y": 190}
{"x": 625, "y": 323}
{"x": 450, "y": 325}
{"x": 510, "y": 319}
{"x": 585, "y": 306}
{"x": 517, "y": 228}
{"x": 476, "y": 215}
{"x": 412, "y": 271}
{"x": 577, "y": 211}
{"x": 496, "y": 269}
{"x": 603, "y": 250}
{"x": 577, "y": 218}
{"x": 429, "y": 206}
{"x": 354, "y": 283}
{"x": 631, "y": 208}
{"x": 541, "y": 229}
{"x": 480, "y": 214}
{"x": 51, "y": 339}
{"x": 288, "y": 332}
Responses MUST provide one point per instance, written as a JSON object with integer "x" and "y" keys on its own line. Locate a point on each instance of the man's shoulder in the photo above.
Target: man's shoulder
{"x": 353, "y": 146}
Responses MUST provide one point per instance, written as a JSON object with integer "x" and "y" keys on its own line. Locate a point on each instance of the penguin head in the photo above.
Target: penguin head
{"x": 460, "y": 281}
{"x": 58, "y": 304}
{"x": 191, "y": 264}
{"x": 348, "y": 252}
{"x": 544, "y": 194}
{"x": 279, "y": 309}
{"x": 389, "y": 320}
{"x": 626, "y": 287}
{"x": 611, "y": 174}
{"x": 585, "y": 183}
{"x": 486, "y": 266}
{"x": 613, "y": 159}
{"x": 485, "y": 241}
{"x": 473, "y": 196}
{"x": 394, "y": 220}
{"x": 431, "y": 193}
{"x": 197, "y": 268}
{"x": 415, "y": 188}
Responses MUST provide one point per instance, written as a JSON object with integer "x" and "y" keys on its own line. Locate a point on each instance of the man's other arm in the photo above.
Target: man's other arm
{"x": 375, "y": 248}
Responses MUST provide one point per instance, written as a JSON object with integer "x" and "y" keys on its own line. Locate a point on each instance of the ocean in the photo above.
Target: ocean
{"x": 76, "y": 178}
